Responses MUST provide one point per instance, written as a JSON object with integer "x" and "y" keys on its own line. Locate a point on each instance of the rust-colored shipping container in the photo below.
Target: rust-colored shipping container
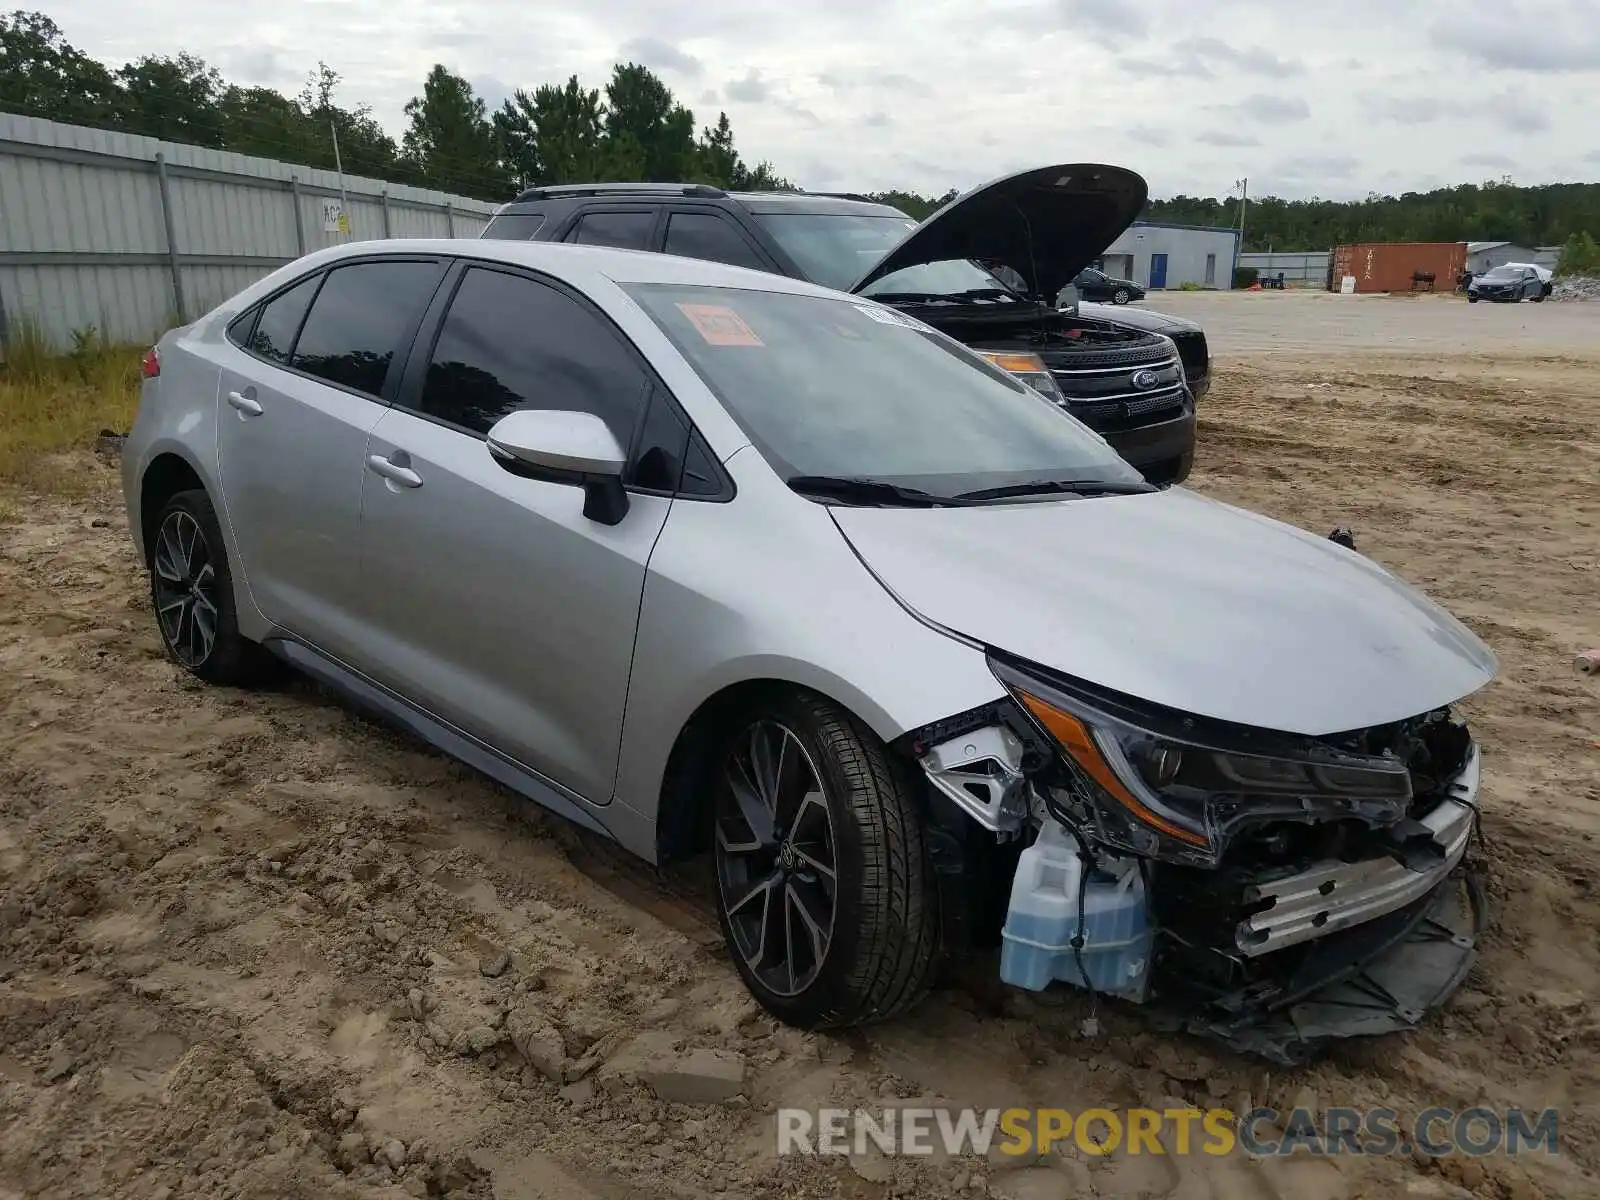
{"x": 1390, "y": 266}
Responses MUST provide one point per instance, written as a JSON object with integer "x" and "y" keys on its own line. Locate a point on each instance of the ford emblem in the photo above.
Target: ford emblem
{"x": 1145, "y": 379}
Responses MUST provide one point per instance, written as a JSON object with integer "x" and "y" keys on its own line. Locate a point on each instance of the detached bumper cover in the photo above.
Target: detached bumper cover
{"x": 1336, "y": 895}
{"x": 1382, "y": 977}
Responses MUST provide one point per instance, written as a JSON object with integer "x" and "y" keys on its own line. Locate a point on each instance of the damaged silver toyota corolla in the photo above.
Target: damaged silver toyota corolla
{"x": 709, "y": 559}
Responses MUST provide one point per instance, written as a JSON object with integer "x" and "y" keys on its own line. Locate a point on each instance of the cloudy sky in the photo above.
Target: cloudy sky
{"x": 1333, "y": 98}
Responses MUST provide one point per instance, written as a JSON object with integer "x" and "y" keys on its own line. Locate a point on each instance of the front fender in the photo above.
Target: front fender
{"x": 722, "y": 606}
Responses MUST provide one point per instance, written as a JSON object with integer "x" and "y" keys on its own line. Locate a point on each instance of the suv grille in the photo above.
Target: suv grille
{"x": 1106, "y": 398}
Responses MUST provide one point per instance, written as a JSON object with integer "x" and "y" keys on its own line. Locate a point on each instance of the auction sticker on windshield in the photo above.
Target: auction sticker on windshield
{"x": 720, "y": 325}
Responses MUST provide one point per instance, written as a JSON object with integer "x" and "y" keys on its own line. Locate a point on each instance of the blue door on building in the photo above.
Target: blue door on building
{"x": 1158, "y": 270}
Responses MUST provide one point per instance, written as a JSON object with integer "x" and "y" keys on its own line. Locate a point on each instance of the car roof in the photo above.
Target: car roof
{"x": 807, "y": 203}
{"x": 576, "y": 264}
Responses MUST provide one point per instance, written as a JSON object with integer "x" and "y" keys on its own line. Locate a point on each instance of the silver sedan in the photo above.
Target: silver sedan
{"x": 713, "y": 561}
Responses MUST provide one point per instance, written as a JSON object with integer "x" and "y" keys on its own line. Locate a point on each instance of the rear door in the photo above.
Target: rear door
{"x": 494, "y": 602}
{"x": 304, "y": 381}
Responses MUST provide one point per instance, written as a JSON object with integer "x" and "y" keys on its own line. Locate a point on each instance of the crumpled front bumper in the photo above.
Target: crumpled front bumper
{"x": 1337, "y": 895}
{"x": 1381, "y": 977}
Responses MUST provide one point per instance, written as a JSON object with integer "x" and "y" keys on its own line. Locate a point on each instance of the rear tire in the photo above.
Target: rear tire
{"x": 826, "y": 893}
{"x": 191, "y": 589}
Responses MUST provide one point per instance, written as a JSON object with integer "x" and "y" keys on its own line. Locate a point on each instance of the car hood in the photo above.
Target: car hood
{"x": 1047, "y": 224}
{"x": 1180, "y": 601}
{"x": 1136, "y": 318}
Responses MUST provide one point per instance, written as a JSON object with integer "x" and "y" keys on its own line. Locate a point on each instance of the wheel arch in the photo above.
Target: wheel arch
{"x": 167, "y": 474}
{"x": 681, "y": 825}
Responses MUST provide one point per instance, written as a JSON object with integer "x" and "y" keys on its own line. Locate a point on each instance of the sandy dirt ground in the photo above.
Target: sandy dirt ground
{"x": 252, "y": 945}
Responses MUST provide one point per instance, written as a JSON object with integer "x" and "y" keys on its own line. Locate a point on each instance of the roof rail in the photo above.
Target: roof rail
{"x": 600, "y": 189}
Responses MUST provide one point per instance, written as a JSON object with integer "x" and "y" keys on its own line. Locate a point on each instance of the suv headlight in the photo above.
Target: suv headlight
{"x": 1030, "y": 369}
{"x": 1159, "y": 793}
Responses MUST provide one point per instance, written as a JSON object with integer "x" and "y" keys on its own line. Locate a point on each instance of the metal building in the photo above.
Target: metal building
{"x": 1159, "y": 256}
{"x": 1484, "y": 256}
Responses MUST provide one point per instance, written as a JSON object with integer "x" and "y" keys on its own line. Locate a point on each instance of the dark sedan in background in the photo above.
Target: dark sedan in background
{"x": 1509, "y": 283}
{"x": 1094, "y": 284}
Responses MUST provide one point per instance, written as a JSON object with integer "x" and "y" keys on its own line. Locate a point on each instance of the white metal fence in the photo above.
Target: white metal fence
{"x": 1298, "y": 266}
{"x": 131, "y": 235}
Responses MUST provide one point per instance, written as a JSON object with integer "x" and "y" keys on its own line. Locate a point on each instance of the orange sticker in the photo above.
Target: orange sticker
{"x": 720, "y": 326}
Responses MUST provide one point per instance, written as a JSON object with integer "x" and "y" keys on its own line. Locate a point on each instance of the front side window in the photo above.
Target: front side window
{"x": 360, "y": 320}
{"x": 510, "y": 342}
{"x": 827, "y": 387}
{"x": 708, "y": 236}
{"x": 273, "y": 337}
{"x": 629, "y": 230}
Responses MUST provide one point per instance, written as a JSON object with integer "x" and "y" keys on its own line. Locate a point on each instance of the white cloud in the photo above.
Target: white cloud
{"x": 1306, "y": 99}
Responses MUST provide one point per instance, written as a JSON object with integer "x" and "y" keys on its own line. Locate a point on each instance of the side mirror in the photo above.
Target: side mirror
{"x": 573, "y": 448}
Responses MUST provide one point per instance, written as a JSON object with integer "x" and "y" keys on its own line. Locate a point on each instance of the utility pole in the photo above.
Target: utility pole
{"x": 338, "y": 163}
{"x": 1244, "y": 197}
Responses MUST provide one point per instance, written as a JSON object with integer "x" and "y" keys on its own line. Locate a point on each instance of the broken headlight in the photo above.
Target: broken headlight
{"x": 1162, "y": 793}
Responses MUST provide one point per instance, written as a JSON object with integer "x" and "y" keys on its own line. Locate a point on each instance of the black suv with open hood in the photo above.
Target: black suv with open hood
{"x": 1131, "y": 375}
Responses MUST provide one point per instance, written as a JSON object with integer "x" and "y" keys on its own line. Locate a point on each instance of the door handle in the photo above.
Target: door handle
{"x": 393, "y": 472}
{"x": 245, "y": 404}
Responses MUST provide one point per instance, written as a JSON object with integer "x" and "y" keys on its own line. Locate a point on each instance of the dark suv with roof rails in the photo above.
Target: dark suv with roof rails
{"x": 984, "y": 269}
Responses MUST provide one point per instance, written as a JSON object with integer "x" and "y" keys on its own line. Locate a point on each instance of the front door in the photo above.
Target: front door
{"x": 300, "y": 390}
{"x": 1158, "y": 270}
{"x": 495, "y": 602}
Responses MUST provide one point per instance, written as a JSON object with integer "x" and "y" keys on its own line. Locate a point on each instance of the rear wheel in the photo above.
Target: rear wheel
{"x": 824, "y": 888}
{"x": 192, "y": 591}
{"x": 1121, "y": 296}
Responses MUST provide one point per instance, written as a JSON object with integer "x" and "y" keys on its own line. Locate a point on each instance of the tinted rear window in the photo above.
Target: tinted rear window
{"x": 280, "y": 321}
{"x": 516, "y": 227}
{"x": 629, "y": 230}
{"x": 361, "y": 317}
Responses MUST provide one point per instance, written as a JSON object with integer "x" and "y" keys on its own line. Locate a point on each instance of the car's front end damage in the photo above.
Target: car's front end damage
{"x": 1293, "y": 889}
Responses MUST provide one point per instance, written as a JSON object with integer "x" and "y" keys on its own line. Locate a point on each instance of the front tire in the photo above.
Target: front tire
{"x": 1121, "y": 296}
{"x": 825, "y": 890}
{"x": 191, "y": 588}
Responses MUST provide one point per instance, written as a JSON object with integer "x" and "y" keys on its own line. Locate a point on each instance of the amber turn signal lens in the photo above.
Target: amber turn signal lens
{"x": 1025, "y": 363}
{"x": 1075, "y": 738}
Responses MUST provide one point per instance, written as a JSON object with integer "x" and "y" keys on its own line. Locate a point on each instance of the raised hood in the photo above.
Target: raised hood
{"x": 1047, "y": 224}
{"x": 1180, "y": 601}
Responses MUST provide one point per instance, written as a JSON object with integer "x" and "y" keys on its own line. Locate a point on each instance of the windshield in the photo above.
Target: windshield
{"x": 826, "y": 387}
{"x": 1503, "y": 274}
{"x": 837, "y": 249}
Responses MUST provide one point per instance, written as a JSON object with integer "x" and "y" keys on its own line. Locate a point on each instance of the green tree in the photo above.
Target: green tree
{"x": 43, "y": 76}
{"x": 451, "y": 141}
{"x": 649, "y": 131}
{"x": 556, "y": 135}
{"x": 1580, "y": 256}
{"x": 176, "y": 99}
{"x": 717, "y": 161}
{"x": 364, "y": 148}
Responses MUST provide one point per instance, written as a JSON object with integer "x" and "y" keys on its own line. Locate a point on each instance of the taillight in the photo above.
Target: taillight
{"x": 151, "y": 366}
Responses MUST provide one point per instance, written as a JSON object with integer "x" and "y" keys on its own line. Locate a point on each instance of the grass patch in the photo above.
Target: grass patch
{"x": 52, "y": 404}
